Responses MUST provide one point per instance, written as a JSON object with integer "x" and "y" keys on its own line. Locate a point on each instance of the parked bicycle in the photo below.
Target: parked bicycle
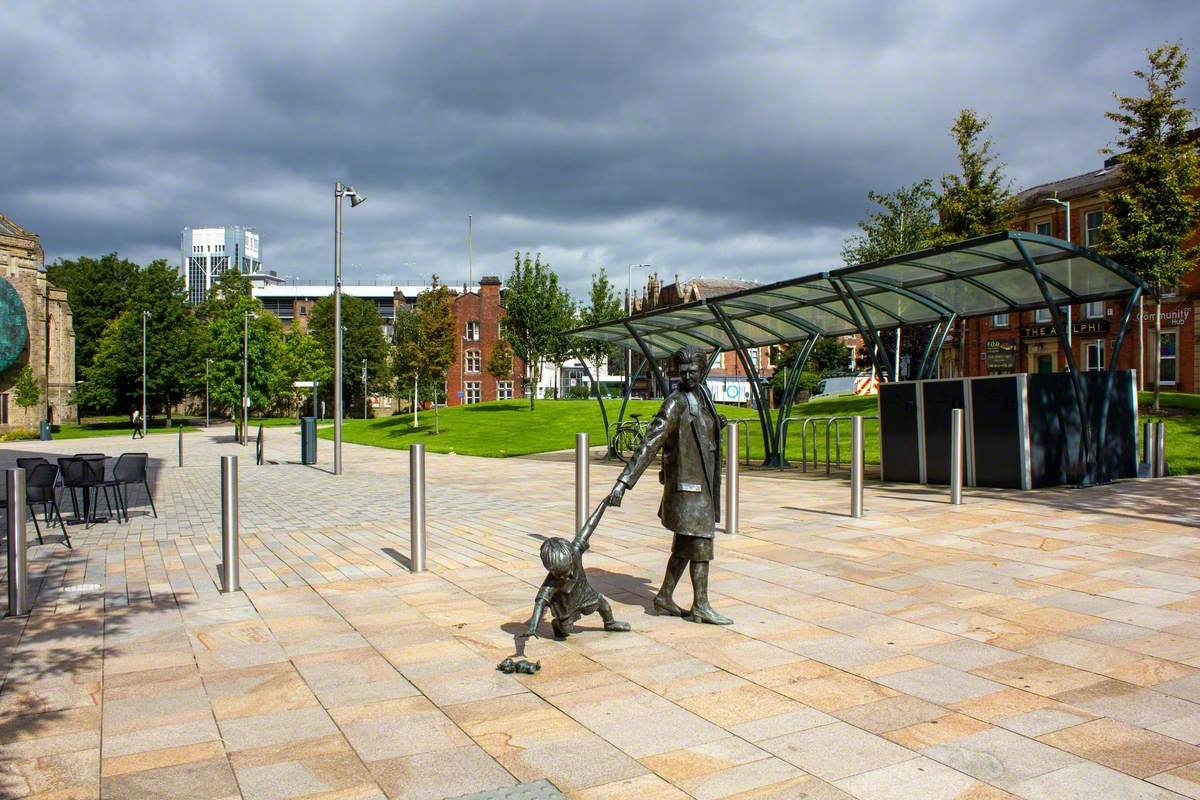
{"x": 627, "y": 437}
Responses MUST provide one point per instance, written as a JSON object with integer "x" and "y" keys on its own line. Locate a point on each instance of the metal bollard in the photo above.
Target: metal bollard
{"x": 181, "y": 445}
{"x": 581, "y": 480}
{"x": 1148, "y": 443}
{"x": 18, "y": 570}
{"x": 856, "y": 466}
{"x": 416, "y": 504}
{"x": 230, "y": 557}
{"x": 1160, "y": 449}
{"x": 731, "y": 480}
{"x": 956, "y": 456}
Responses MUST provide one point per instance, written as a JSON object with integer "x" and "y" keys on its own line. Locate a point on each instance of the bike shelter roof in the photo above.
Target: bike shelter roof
{"x": 990, "y": 274}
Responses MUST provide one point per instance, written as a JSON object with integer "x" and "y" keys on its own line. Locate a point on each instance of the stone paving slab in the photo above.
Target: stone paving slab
{"x": 1030, "y": 645}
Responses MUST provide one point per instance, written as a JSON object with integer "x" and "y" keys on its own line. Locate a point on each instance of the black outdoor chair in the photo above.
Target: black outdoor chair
{"x": 130, "y": 469}
{"x": 86, "y": 474}
{"x": 40, "y": 490}
{"x": 29, "y": 462}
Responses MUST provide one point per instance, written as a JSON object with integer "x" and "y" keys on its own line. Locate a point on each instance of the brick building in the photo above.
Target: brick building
{"x": 39, "y": 314}
{"x": 477, "y": 315}
{"x": 1026, "y": 342}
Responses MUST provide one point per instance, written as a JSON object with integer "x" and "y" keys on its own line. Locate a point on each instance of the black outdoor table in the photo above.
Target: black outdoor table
{"x": 87, "y": 490}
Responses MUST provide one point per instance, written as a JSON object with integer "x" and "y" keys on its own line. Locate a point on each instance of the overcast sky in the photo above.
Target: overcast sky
{"x": 704, "y": 138}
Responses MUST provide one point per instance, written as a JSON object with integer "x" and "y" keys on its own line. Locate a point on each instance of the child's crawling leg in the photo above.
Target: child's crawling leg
{"x": 606, "y": 614}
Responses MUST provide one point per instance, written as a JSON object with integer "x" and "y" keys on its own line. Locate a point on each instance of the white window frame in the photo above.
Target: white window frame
{"x": 1042, "y": 316}
{"x": 1093, "y": 310}
{"x": 471, "y": 331}
{"x": 471, "y": 361}
{"x": 504, "y": 390}
{"x": 1091, "y": 239}
{"x": 1093, "y": 349}
{"x": 472, "y": 392}
{"x": 1000, "y": 320}
{"x": 1173, "y": 358}
{"x": 1048, "y": 225}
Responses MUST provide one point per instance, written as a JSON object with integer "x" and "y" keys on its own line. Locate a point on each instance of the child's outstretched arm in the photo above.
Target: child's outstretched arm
{"x": 589, "y": 527}
{"x": 539, "y": 608}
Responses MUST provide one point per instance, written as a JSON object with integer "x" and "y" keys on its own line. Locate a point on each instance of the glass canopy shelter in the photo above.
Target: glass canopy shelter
{"x": 1007, "y": 271}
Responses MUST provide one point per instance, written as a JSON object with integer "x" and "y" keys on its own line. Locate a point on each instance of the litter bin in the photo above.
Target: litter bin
{"x": 44, "y": 430}
{"x": 308, "y": 440}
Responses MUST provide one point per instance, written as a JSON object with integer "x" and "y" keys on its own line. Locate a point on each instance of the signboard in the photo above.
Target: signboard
{"x": 304, "y": 384}
{"x": 1087, "y": 327}
{"x": 729, "y": 391}
{"x": 1001, "y": 356}
{"x": 460, "y": 395}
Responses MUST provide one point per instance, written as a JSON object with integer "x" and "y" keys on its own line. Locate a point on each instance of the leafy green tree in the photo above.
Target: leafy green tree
{"x": 500, "y": 362}
{"x": 1150, "y": 217}
{"x": 363, "y": 339}
{"x": 976, "y": 201}
{"x": 427, "y": 342}
{"x": 229, "y": 289}
{"x": 303, "y": 360}
{"x": 906, "y": 221}
{"x": 25, "y": 390}
{"x": 98, "y": 290}
{"x": 538, "y": 312}
{"x": 405, "y": 353}
{"x": 174, "y": 355}
{"x": 829, "y": 355}
{"x": 256, "y": 341}
{"x": 603, "y": 305}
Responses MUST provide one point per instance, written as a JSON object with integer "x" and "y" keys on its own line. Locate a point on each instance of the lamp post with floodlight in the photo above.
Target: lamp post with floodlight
{"x": 339, "y": 191}
{"x": 1066, "y": 206}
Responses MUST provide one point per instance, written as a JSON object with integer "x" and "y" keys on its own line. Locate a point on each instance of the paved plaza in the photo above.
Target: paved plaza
{"x": 1040, "y": 645}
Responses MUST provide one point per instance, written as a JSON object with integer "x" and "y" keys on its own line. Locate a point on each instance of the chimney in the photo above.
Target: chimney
{"x": 489, "y": 286}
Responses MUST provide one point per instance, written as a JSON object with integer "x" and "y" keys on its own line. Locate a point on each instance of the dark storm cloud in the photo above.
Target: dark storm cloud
{"x": 702, "y": 138}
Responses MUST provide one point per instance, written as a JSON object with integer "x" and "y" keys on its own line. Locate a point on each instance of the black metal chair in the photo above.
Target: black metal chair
{"x": 86, "y": 474}
{"x": 130, "y": 469}
{"x": 40, "y": 489}
{"x": 29, "y": 462}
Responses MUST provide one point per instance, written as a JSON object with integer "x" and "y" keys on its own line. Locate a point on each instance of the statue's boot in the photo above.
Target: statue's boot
{"x": 701, "y": 610}
{"x": 663, "y": 604}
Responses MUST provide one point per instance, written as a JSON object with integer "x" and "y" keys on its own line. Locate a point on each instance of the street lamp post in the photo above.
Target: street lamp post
{"x": 364, "y": 388}
{"x": 339, "y": 191}
{"x": 207, "y": 366}
{"x": 629, "y": 312}
{"x": 246, "y": 372}
{"x": 145, "y": 316}
{"x": 1066, "y": 206}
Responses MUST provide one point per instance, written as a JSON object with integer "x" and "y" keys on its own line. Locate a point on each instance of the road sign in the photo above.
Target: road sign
{"x": 304, "y": 384}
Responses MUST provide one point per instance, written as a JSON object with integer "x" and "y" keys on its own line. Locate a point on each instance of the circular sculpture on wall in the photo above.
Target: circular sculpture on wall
{"x": 14, "y": 335}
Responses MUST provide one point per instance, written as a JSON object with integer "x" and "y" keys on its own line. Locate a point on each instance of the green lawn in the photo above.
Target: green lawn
{"x": 1181, "y": 413}
{"x": 111, "y": 426}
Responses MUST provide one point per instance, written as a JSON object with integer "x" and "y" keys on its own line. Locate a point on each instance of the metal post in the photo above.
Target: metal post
{"x": 337, "y": 329}
{"x": 207, "y": 365}
{"x": 245, "y": 376}
{"x": 230, "y": 578}
{"x": 416, "y": 504}
{"x": 956, "y": 456}
{"x": 1160, "y": 449}
{"x": 731, "y": 480}
{"x": 18, "y": 572}
{"x": 145, "y": 314}
{"x": 856, "y": 466}
{"x": 181, "y": 445}
{"x": 1148, "y": 444}
{"x": 582, "y": 502}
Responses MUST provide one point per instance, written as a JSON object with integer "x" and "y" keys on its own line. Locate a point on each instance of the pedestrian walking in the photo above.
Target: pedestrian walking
{"x": 138, "y": 431}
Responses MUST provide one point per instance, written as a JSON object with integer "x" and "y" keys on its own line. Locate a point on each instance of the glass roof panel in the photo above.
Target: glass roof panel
{"x": 1081, "y": 276}
{"x": 964, "y": 297}
{"x": 1020, "y": 286}
{"x": 956, "y": 261}
{"x": 900, "y": 273}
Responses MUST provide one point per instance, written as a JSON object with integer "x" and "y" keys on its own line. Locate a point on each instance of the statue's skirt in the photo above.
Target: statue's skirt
{"x": 693, "y": 548}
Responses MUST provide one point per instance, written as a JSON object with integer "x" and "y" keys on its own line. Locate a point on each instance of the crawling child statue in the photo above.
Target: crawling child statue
{"x": 566, "y": 589}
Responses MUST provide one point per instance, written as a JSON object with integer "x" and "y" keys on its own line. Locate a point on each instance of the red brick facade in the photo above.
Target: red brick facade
{"x": 477, "y": 317}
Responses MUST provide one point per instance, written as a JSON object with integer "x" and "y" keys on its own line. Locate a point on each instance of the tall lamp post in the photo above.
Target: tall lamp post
{"x": 339, "y": 191}
{"x": 629, "y": 312}
{"x": 246, "y": 372}
{"x": 364, "y": 388}
{"x": 207, "y": 367}
{"x": 1066, "y": 206}
{"x": 145, "y": 316}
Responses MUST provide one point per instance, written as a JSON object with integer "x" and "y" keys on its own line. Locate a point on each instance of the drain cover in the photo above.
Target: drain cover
{"x": 82, "y": 587}
{"x": 538, "y": 790}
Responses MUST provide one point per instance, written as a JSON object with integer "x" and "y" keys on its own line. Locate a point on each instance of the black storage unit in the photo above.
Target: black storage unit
{"x": 938, "y": 399}
{"x": 900, "y": 432}
{"x": 308, "y": 440}
{"x": 1055, "y": 429}
{"x": 997, "y": 431}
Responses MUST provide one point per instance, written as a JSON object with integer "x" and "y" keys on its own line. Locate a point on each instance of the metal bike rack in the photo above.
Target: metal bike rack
{"x": 834, "y": 446}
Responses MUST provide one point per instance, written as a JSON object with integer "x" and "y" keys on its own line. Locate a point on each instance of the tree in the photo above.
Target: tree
{"x": 253, "y": 343}
{"x": 538, "y": 312}
{"x": 25, "y": 390}
{"x": 829, "y": 355}
{"x": 174, "y": 349}
{"x": 977, "y": 201}
{"x": 303, "y": 360}
{"x": 98, "y": 291}
{"x": 363, "y": 339}
{"x": 1152, "y": 214}
{"x": 906, "y": 222}
{"x": 603, "y": 305}
{"x": 437, "y": 337}
{"x": 500, "y": 362}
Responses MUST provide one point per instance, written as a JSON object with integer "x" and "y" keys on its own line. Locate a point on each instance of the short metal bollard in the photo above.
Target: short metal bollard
{"x": 1148, "y": 444}
{"x": 18, "y": 570}
{"x": 230, "y": 557}
{"x": 1160, "y": 449}
{"x": 956, "y": 456}
{"x": 856, "y": 466}
{"x": 416, "y": 503}
{"x": 581, "y": 480}
{"x": 260, "y": 448}
{"x": 731, "y": 479}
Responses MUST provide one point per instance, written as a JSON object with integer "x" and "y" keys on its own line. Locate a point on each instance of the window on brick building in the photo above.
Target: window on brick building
{"x": 1091, "y": 227}
{"x": 1041, "y": 316}
{"x": 999, "y": 320}
{"x": 472, "y": 332}
{"x": 472, "y": 360}
{"x": 504, "y": 390}
{"x": 1168, "y": 357}
{"x": 1095, "y": 355}
{"x": 472, "y": 392}
{"x": 1093, "y": 310}
{"x": 1044, "y": 228}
